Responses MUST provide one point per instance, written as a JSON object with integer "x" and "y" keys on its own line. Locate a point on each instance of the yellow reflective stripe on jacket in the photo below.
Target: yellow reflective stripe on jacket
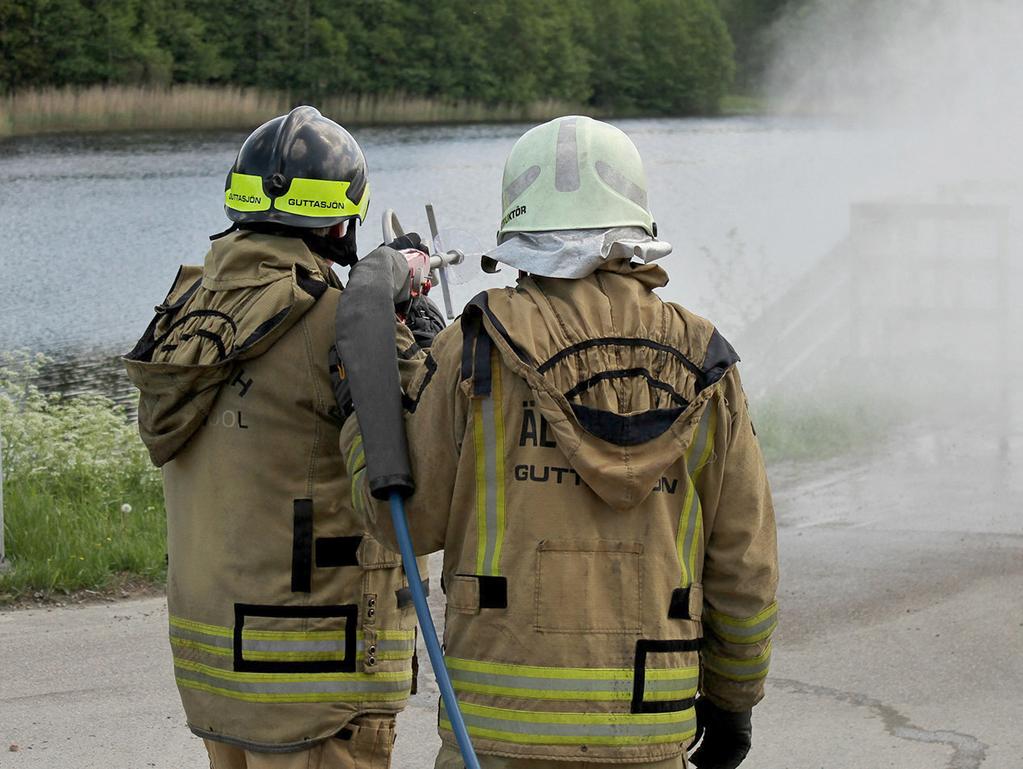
{"x": 189, "y": 637}
{"x": 553, "y": 683}
{"x": 736, "y": 669}
{"x": 690, "y": 525}
{"x": 293, "y": 687}
{"x": 386, "y": 650}
{"x": 488, "y": 442}
{"x": 404, "y": 639}
{"x": 535, "y": 727}
{"x": 287, "y": 644}
{"x": 358, "y": 498}
{"x": 702, "y": 447}
{"x": 749, "y": 630}
{"x": 184, "y": 643}
{"x": 200, "y": 627}
{"x": 356, "y": 455}
{"x": 391, "y": 644}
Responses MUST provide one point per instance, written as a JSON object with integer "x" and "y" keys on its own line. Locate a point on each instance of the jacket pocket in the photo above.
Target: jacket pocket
{"x": 687, "y": 603}
{"x": 696, "y": 602}
{"x": 366, "y": 742}
{"x": 464, "y": 594}
{"x": 373, "y": 555}
{"x": 589, "y": 586}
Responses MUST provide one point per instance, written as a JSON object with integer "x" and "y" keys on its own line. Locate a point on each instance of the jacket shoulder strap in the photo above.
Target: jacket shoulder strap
{"x": 720, "y": 357}
{"x": 476, "y": 346}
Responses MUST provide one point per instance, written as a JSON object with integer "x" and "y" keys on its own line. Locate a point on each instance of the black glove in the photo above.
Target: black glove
{"x": 408, "y": 240}
{"x": 424, "y": 319}
{"x": 727, "y": 736}
{"x": 340, "y": 385}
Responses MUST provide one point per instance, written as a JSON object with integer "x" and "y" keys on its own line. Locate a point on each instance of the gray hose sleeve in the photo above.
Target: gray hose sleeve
{"x": 364, "y": 329}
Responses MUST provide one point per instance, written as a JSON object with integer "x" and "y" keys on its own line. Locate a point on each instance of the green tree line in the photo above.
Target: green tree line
{"x": 752, "y": 24}
{"x": 669, "y": 56}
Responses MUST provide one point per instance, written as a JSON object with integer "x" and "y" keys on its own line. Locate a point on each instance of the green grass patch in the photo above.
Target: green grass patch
{"x": 734, "y": 104}
{"x": 83, "y": 506}
{"x": 819, "y": 426}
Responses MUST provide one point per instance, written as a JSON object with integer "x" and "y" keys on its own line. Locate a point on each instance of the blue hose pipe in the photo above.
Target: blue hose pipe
{"x": 415, "y": 583}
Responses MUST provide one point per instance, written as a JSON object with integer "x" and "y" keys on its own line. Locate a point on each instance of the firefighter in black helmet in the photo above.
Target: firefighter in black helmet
{"x": 301, "y": 175}
{"x": 291, "y": 638}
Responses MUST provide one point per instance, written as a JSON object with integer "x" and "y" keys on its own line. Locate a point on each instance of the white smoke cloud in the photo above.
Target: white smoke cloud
{"x": 946, "y": 73}
{"x": 931, "y": 93}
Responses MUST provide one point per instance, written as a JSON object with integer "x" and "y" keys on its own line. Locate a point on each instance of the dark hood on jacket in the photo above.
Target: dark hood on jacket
{"x": 620, "y": 375}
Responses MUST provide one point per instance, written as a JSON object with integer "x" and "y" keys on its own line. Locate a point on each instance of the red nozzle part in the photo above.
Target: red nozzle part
{"x": 419, "y": 270}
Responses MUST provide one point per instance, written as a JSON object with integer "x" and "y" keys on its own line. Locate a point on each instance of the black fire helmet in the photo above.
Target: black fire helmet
{"x": 298, "y": 170}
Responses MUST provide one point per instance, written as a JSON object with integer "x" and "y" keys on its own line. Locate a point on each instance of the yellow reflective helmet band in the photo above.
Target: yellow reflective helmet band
{"x": 320, "y": 198}
{"x": 315, "y": 198}
{"x": 246, "y": 193}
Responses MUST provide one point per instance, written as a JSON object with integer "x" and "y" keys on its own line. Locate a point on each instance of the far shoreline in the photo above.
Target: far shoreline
{"x": 190, "y": 108}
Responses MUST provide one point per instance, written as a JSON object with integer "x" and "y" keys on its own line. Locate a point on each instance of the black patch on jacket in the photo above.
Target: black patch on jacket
{"x": 332, "y": 552}
{"x": 404, "y": 594}
{"x": 348, "y": 612}
{"x": 493, "y": 590}
{"x": 679, "y": 608}
{"x": 302, "y": 547}
{"x": 645, "y": 647}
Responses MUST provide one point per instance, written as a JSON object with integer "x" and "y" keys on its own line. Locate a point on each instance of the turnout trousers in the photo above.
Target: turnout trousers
{"x": 366, "y": 743}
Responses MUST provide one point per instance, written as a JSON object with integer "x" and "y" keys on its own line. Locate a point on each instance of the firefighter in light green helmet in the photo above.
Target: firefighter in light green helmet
{"x": 290, "y": 633}
{"x": 595, "y": 484}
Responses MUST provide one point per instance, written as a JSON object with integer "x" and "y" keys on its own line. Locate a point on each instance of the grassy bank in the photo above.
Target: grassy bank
{"x": 83, "y": 507}
{"x": 126, "y": 108}
{"x": 822, "y": 426}
{"x": 736, "y": 105}
{"x": 189, "y": 107}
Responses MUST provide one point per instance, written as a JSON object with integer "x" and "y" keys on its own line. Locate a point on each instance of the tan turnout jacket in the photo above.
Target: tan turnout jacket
{"x": 286, "y": 620}
{"x": 584, "y": 456}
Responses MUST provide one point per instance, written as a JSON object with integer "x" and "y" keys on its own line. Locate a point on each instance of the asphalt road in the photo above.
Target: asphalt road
{"x": 900, "y": 645}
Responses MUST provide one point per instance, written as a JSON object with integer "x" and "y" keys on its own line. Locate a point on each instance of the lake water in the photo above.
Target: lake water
{"x": 94, "y": 227}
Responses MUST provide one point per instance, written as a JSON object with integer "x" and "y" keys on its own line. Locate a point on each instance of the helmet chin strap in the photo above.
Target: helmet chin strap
{"x": 224, "y": 233}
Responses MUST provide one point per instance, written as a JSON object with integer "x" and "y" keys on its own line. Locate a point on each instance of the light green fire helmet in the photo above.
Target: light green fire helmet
{"x": 574, "y": 173}
{"x": 574, "y": 197}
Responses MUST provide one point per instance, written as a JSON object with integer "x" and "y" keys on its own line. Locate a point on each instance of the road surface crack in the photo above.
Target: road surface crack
{"x": 967, "y": 751}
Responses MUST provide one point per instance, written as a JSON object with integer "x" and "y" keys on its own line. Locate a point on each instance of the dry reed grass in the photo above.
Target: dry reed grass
{"x": 183, "y": 107}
